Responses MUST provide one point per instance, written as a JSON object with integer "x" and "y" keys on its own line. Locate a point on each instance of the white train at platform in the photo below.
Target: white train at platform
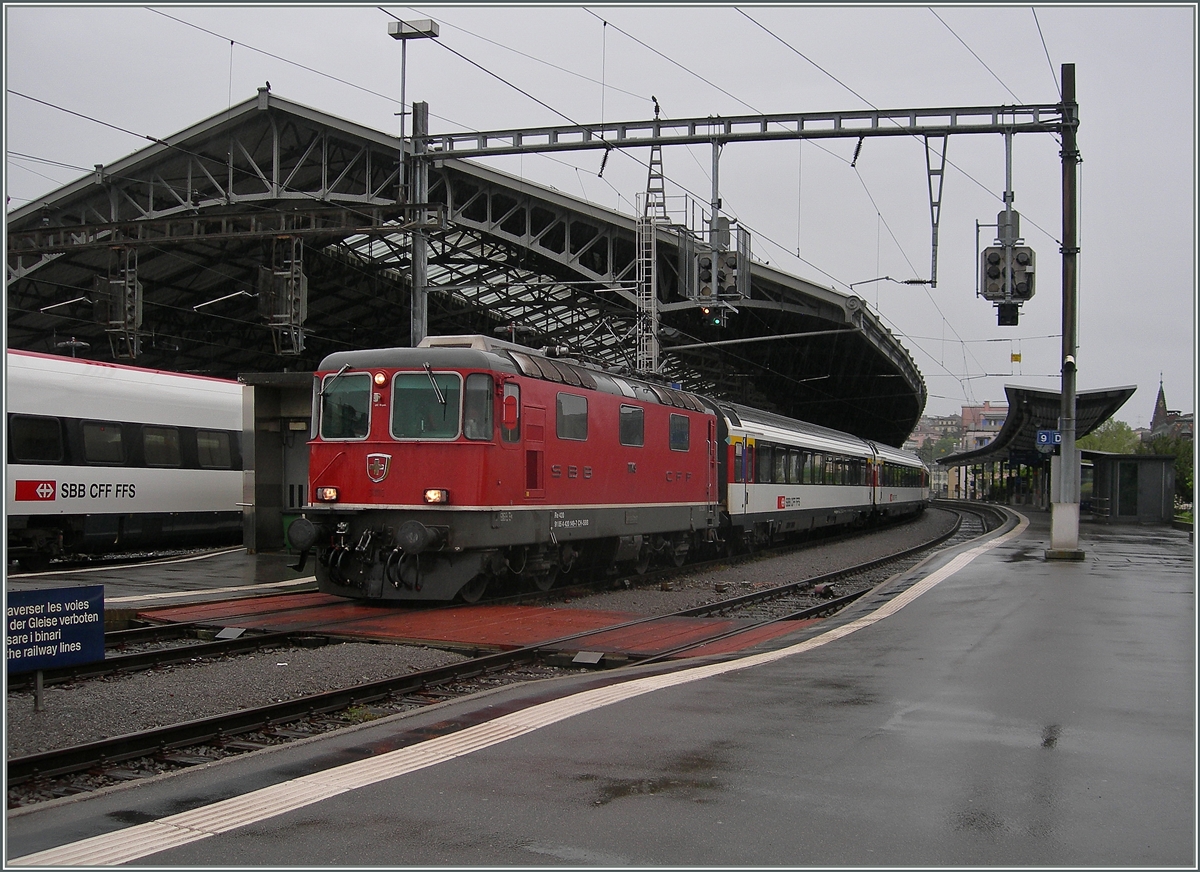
{"x": 103, "y": 457}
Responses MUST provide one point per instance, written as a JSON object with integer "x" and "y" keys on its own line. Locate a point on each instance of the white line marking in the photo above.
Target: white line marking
{"x": 176, "y": 594}
{"x": 142, "y": 840}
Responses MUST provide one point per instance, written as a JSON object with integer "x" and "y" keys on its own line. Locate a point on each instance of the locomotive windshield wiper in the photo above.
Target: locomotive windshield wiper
{"x": 436, "y": 389}
{"x": 337, "y": 375}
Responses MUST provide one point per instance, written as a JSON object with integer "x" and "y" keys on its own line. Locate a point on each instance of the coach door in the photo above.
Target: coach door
{"x": 535, "y": 452}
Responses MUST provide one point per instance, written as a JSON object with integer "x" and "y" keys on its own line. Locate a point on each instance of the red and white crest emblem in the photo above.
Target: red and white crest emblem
{"x": 378, "y": 466}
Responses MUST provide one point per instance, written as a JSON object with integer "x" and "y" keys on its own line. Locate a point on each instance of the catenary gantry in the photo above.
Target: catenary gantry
{"x": 265, "y": 237}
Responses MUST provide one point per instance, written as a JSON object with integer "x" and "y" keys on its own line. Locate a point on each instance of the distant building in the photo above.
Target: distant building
{"x": 981, "y": 424}
{"x": 1167, "y": 422}
{"x": 928, "y": 431}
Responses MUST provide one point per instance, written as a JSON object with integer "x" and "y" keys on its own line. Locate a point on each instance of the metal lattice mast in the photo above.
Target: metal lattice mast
{"x": 653, "y": 212}
{"x": 647, "y": 308}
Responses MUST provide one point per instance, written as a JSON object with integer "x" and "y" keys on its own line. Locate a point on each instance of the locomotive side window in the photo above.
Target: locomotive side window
{"x": 160, "y": 446}
{"x": 572, "y": 417}
{"x": 511, "y": 400}
{"x": 425, "y": 405}
{"x": 102, "y": 442}
{"x": 477, "y": 406}
{"x": 633, "y": 426}
{"x": 212, "y": 448}
{"x": 35, "y": 439}
{"x": 345, "y": 406}
{"x": 681, "y": 433}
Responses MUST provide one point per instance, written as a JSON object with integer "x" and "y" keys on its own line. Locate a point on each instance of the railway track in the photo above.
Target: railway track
{"x": 84, "y": 767}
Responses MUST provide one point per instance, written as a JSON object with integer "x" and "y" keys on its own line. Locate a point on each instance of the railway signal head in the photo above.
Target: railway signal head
{"x": 1007, "y": 314}
{"x": 994, "y": 267}
{"x": 704, "y": 273}
{"x": 727, "y": 274}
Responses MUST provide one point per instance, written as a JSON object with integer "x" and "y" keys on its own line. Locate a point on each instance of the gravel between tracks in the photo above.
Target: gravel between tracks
{"x": 689, "y": 591}
{"x": 124, "y": 704}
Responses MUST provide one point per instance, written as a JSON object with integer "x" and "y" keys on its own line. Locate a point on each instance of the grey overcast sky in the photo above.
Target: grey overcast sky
{"x": 814, "y": 211}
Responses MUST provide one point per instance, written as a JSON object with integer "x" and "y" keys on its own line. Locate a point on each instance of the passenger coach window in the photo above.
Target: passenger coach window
{"x": 764, "y": 473}
{"x": 160, "y": 446}
{"x": 795, "y": 462}
{"x": 345, "y": 406}
{"x": 212, "y": 449}
{"x": 102, "y": 442}
{"x": 681, "y": 433}
{"x": 633, "y": 426}
{"x": 35, "y": 440}
{"x": 477, "y": 406}
{"x": 419, "y": 411}
{"x": 572, "y": 418}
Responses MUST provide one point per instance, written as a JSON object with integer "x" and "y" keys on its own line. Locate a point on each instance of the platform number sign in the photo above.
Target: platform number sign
{"x": 56, "y": 627}
{"x": 1048, "y": 441}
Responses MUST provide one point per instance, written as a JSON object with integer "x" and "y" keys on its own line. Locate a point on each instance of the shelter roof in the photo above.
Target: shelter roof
{"x": 1030, "y": 410}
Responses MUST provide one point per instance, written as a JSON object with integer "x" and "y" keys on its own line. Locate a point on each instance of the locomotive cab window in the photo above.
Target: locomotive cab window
{"x": 102, "y": 442}
{"x": 633, "y": 426}
{"x": 345, "y": 406}
{"x": 160, "y": 446}
{"x": 572, "y": 417}
{"x": 34, "y": 439}
{"x": 477, "y": 406}
{"x": 681, "y": 432}
{"x": 425, "y": 405}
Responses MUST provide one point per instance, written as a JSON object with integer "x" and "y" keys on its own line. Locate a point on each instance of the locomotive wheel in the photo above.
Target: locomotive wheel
{"x": 543, "y": 581}
{"x": 680, "y": 549}
{"x": 643, "y": 559}
{"x": 473, "y": 590}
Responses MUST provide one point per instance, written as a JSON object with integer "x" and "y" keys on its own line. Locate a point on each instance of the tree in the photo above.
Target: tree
{"x": 1113, "y": 436}
{"x": 1184, "y": 451}
{"x": 931, "y": 451}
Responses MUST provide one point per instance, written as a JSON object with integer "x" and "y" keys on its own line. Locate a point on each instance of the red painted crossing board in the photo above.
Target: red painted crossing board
{"x": 498, "y": 627}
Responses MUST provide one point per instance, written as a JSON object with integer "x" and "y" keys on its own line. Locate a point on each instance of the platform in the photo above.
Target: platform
{"x": 987, "y": 708}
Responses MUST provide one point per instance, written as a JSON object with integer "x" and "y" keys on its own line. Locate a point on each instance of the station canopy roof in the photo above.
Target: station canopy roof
{"x": 271, "y": 235}
{"x": 1030, "y": 410}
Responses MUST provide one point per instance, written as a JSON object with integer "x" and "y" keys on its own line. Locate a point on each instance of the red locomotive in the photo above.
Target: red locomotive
{"x": 437, "y": 470}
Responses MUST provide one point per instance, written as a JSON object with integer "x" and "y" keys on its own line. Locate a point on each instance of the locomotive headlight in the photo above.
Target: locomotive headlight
{"x": 380, "y": 378}
{"x": 437, "y": 495}
{"x": 327, "y": 495}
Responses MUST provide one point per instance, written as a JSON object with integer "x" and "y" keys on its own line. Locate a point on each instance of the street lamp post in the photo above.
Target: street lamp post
{"x": 419, "y": 318}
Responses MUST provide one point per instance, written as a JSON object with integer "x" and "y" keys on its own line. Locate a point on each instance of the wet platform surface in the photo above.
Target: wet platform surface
{"x": 228, "y": 572}
{"x": 987, "y": 708}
